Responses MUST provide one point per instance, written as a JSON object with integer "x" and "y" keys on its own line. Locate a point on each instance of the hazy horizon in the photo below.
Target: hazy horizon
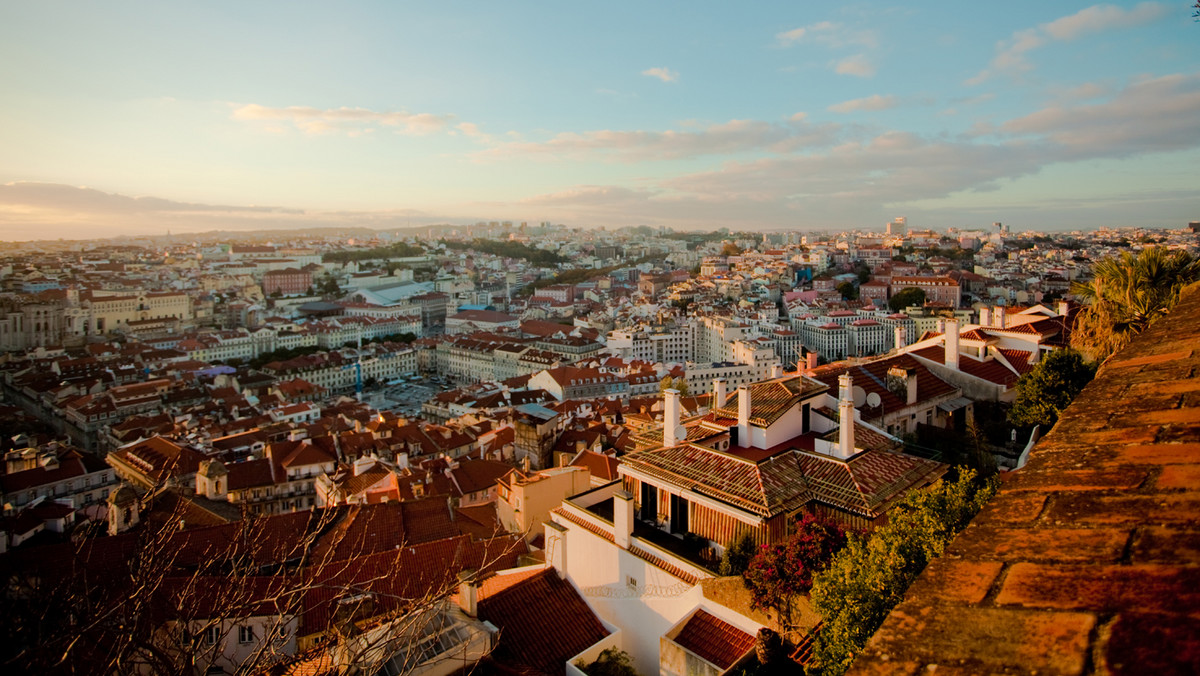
{"x": 126, "y": 119}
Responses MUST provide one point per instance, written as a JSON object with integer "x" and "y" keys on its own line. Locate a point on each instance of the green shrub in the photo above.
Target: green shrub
{"x": 867, "y": 578}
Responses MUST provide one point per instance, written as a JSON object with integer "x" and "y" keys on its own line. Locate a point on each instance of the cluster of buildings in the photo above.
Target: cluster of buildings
{"x": 590, "y": 449}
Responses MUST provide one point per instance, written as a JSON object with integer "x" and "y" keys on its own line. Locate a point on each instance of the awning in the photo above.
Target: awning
{"x": 954, "y": 404}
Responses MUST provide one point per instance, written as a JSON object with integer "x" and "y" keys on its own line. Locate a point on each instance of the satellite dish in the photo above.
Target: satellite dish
{"x": 860, "y": 396}
{"x": 873, "y": 400}
{"x": 680, "y": 433}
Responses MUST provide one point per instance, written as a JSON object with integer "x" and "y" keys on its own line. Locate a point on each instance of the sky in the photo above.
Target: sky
{"x": 147, "y": 117}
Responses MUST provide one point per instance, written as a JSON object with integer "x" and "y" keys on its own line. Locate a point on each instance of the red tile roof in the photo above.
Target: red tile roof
{"x": 765, "y": 488}
{"x": 543, "y": 623}
{"x": 869, "y": 482}
{"x": 715, "y": 640}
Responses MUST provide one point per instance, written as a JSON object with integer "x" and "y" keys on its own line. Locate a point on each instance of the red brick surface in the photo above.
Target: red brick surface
{"x": 1088, "y": 559}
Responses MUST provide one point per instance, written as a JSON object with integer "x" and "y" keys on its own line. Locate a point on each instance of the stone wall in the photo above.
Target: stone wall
{"x": 1088, "y": 559}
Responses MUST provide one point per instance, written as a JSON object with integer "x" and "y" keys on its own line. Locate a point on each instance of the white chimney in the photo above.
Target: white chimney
{"x": 468, "y": 593}
{"x": 720, "y": 393}
{"x": 900, "y": 338}
{"x": 941, "y": 326}
{"x": 363, "y": 463}
{"x": 1000, "y": 317}
{"x": 985, "y": 317}
{"x": 776, "y": 371}
{"x": 622, "y": 518}
{"x": 743, "y": 425}
{"x": 556, "y": 547}
{"x": 951, "y": 344}
{"x": 1063, "y": 308}
{"x": 670, "y": 417}
{"x": 845, "y": 447}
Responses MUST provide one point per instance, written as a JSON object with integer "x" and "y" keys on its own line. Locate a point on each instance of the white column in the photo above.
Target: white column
{"x": 952, "y": 344}
{"x": 845, "y": 416}
{"x": 622, "y": 518}
{"x": 670, "y": 417}
{"x": 744, "y": 416}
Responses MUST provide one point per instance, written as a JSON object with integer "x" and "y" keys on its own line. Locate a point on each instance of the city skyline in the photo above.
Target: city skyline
{"x": 1052, "y": 117}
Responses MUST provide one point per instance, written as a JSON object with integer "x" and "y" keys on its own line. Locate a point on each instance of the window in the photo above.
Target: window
{"x": 212, "y": 635}
{"x": 245, "y": 634}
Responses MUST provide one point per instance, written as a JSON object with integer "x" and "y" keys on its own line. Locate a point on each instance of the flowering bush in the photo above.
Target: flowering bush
{"x": 780, "y": 571}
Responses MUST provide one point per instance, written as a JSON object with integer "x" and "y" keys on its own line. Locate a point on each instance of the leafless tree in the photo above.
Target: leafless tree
{"x": 242, "y": 597}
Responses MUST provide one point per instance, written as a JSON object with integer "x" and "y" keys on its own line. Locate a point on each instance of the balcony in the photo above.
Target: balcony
{"x": 691, "y": 548}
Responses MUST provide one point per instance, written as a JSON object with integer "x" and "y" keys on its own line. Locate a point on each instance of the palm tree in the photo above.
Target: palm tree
{"x": 1126, "y": 294}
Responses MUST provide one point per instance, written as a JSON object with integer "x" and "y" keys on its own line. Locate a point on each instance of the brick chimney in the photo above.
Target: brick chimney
{"x": 810, "y": 361}
{"x": 670, "y": 417}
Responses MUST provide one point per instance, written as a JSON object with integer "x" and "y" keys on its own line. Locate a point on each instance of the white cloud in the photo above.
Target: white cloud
{"x": 827, "y": 33}
{"x": 799, "y": 117}
{"x": 1099, "y": 18}
{"x": 350, "y": 120}
{"x": 664, "y": 74}
{"x": 1085, "y": 91}
{"x": 1011, "y": 53}
{"x": 873, "y": 102}
{"x": 1151, "y": 115}
{"x": 857, "y": 65}
{"x": 795, "y": 35}
{"x": 860, "y": 180}
{"x": 727, "y": 138}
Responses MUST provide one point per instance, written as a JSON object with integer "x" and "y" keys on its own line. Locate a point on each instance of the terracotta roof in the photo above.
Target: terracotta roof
{"x": 991, "y": 370}
{"x": 868, "y": 482}
{"x": 713, "y": 639}
{"x": 1086, "y": 561}
{"x": 872, "y": 377}
{"x": 249, "y": 474}
{"x": 543, "y": 622}
{"x": 40, "y": 476}
{"x": 771, "y": 399}
{"x": 600, "y": 466}
{"x": 764, "y": 488}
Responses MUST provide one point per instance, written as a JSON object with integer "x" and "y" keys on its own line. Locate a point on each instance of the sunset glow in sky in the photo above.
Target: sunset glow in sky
{"x": 133, "y": 118}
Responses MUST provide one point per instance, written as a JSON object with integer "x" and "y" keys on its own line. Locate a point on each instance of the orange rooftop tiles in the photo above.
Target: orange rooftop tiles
{"x": 1088, "y": 559}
